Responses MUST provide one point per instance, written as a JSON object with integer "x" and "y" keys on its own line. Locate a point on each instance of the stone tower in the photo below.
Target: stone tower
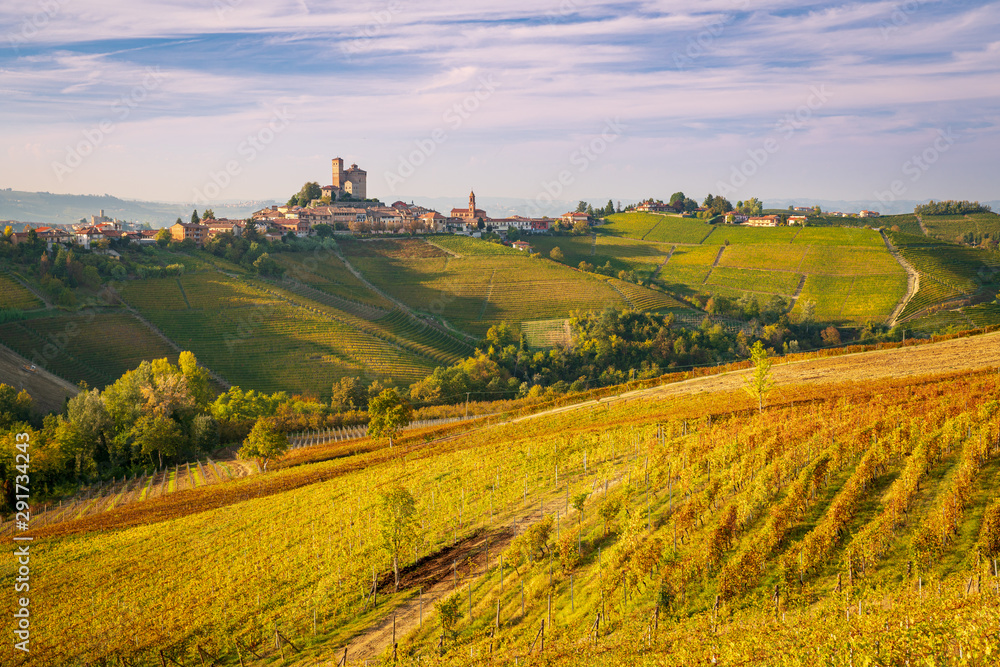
{"x": 338, "y": 173}
{"x": 472, "y": 204}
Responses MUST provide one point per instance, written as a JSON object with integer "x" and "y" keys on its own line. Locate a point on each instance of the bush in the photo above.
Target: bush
{"x": 449, "y": 611}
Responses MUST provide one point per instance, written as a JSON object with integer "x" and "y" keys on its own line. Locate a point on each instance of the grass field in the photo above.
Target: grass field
{"x": 691, "y": 502}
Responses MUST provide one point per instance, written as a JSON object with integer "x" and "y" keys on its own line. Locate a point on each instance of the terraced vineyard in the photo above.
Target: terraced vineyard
{"x": 263, "y": 337}
{"x": 952, "y": 228}
{"x": 645, "y": 298}
{"x": 15, "y": 296}
{"x": 327, "y": 273}
{"x": 848, "y": 521}
{"x": 542, "y": 334}
{"x": 741, "y": 234}
{"x": 97, "y": 348}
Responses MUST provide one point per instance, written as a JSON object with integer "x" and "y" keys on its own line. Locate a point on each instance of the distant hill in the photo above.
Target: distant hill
{"x": 51, "y": 208}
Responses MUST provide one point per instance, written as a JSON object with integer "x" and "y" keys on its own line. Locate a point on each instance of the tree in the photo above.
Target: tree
{"x": 163, "y": 236}
{"x": 677, "y": 201}
{"x": 556, "y": 254}
{"x": 264, "y": 443}
{"x": 830, "y": 336}
{"x": 808, "y": 313}
{"x": 388, "y": 413}
{"x": 310, "y": 191}
{"x": 581, "y": 227}
{"x": 209, "y": 214}
{"x": 348, "y": 394}
{"x": 582, "y": 207}
{"x": 157, "y": 433}
{"x": 397, "y": 523}
{"x": 15, "y": 406}
{"x": 759, "y": 382}
{"x": 194, "y": 217}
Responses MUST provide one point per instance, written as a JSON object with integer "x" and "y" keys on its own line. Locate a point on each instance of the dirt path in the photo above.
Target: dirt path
{"x": 663, "y": 263}
{"x": 920, "y": 221}
{"x": 714, "y": 264}
{"x": 435, "y": 577}
{"x": 912, "y": 279}
{"x": 798, "y": 292}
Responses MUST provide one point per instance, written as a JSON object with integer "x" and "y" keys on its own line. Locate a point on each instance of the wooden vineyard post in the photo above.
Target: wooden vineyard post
{"x": 571, "y": 603}
{"x": 470, "y": 604}
{"x": 522, "y": 598}
{"x": 420, "y": 618}
{"x": 498, "y": 613}
{"x": 549, "y": 612}
{"x": 715, "y": 615}
{"x": 776, "y": 601}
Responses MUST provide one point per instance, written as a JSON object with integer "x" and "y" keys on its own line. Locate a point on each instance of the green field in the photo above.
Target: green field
{"x": 741, "y": 234}
{"x": 14, "y": 296}
{"x": 96, "y": 347}
{"x": 264, "y": 337}
{"x": 907, "y": 223}
{"x": 656, "y": 228}
{"x": 850, "y": 261}
{"x": 751, "y": 280}
{"x": 784, "y": 257}
{"x": 952, "y": 228}
{"x": 542, "y": 334}
{"x": 839, "y": 236}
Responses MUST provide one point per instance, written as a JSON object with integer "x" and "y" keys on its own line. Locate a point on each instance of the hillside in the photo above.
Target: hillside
{"x": 860, "y": 503}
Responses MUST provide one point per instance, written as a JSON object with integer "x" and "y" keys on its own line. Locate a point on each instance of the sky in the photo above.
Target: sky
{"x": 212, "y": 100}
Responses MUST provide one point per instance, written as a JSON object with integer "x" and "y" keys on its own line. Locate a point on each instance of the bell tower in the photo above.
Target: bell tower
{"x": 472, "y": 204}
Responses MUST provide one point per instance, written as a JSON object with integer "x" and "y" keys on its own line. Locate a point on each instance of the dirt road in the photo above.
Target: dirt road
{"x": 48, "y": 391}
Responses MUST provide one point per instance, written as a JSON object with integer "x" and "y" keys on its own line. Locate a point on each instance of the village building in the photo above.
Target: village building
{"x": 764, "y": 221}
{"x": 469, "y": 214}
{"x": 186, "y": 231}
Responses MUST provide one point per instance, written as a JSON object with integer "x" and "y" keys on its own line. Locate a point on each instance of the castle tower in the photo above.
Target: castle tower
{"x": 338, "y": 173}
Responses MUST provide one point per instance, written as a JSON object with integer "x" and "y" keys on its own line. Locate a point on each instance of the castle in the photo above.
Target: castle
{"x": 352, "y": 181}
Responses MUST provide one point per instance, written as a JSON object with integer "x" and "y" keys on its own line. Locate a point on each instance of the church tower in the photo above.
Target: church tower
{"x": 472, "y": 204}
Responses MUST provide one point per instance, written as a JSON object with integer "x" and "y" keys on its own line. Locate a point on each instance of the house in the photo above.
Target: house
{"x": 868, "y": 214}
{"x": 764, "y": 221}
{"x": 735, "y": 218}
{"x": 539, "y": 225}
{"x": 223, "y": 226}
{"x": 797, "y": 220}
{"x": 433, "y": 221}
{"x": 521, "y": 245}
{"x": 574, "y": 217}
{"x": 87, "y": 235}
{"x": 184, "y": 231}
{"x": 147, "y": 236}
{"x": 294, "y": 225}
{"x": 655, "y": 207}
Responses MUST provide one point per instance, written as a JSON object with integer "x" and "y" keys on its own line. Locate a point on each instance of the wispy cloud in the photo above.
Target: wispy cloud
{"x": 698, "y": 83}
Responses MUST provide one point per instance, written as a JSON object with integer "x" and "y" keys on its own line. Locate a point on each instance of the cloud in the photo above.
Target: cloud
{"x": 696, "y": 77}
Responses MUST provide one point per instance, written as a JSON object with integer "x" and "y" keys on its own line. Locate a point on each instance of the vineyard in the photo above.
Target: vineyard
{"x": 952, "y": 228}
{"x": 98, "y": 347}
{"x": 845, "y": 522}
{"x": 15, "y": 296}
{"x": 263, "y": 336}
{"x": 656, "y": 228}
